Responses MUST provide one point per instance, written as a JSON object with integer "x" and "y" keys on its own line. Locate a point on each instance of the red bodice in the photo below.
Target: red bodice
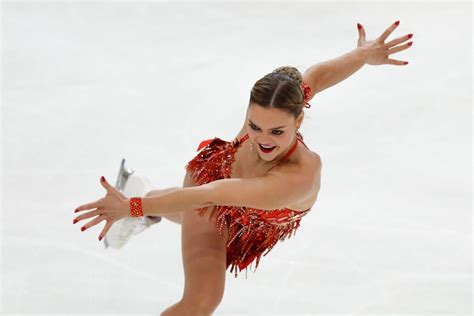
{"x": 251, "y": 231}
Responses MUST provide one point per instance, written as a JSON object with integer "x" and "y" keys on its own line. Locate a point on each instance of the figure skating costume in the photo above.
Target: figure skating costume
{"x": 251, "y": 231}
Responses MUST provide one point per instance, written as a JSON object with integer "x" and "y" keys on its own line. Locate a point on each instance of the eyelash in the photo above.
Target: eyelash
{"x": 256, "y": 128}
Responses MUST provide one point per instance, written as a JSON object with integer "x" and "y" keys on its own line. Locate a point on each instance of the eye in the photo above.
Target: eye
{"x": 255, "y": 128}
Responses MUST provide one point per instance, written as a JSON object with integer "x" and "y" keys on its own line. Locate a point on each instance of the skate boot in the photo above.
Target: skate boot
{"x": 130, "y": 184}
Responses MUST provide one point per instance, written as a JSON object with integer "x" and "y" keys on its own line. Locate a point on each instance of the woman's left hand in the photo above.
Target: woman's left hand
{"x": 110, "y": 208}
{"x": 377, "y": 52}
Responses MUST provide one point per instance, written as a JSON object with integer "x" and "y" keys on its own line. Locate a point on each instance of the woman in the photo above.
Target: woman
{"x": 239, "y": 198}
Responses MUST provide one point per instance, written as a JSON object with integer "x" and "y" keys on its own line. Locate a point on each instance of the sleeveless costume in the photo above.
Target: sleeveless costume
{"x": 251, "y": 231}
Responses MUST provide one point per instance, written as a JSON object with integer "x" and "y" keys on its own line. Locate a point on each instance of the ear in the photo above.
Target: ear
{"x": 299, "y": 119}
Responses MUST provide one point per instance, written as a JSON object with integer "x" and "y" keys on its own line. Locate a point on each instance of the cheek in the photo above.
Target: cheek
{"x": 284, "y": 139}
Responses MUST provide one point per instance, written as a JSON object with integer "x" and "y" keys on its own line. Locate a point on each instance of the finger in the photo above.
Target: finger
{"x": 398, "y": 40}
{"x": 388, "y": 31}
{"x": 87, "y": 215}
{"x": 105, "y": 184}
{"x": 361, "y": 32}
{"x": 93, "y": 222}
{"x": 110, "y": 188}
{"x": 399, "y": 48}
{"x": 88, "y": 206}
{"x": 106, "y": 228}
{"x": 396, "y": 62}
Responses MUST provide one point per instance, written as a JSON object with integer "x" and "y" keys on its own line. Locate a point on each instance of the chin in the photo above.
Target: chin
{"x": 269, "y": 156}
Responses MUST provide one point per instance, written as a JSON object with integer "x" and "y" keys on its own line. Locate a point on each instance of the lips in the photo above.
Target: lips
{"x": 266, "y": 150}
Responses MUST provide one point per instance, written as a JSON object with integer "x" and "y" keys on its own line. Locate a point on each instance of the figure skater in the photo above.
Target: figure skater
{"x": 240, "y": 197}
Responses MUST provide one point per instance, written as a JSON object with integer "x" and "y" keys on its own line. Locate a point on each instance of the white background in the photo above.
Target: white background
{"x": 87, "y": 84}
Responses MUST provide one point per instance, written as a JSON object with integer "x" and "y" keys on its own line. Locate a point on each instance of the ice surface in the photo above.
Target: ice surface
{"x": 85, "y": 84}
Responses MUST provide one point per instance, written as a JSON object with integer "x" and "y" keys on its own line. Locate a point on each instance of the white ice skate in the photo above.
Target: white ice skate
{"x": 130, "y": 184}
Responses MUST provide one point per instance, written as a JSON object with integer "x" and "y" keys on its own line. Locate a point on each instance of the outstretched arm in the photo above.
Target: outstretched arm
{"x": 275, "y": 190}
{"x": 326, "y": 74}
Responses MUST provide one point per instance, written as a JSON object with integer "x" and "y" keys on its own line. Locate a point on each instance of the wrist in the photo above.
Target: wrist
{"x": 135, "y": 206}
{"x": 362, "y": 54}
{"x": 125, "y": 208}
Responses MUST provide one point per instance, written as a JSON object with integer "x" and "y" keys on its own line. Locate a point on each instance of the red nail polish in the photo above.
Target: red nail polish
{"x": 410, "y": 35}
{"x": 398, "y": 22}
{"x": 359, "y": 26}
{"x": 83, "y": 229}
{"x": 75, "y": 211}
{"x": 75, "y": 221}
{"x": 406, "y": 63}
{"x": 409, "y": 44}
{"x": 100, "y": 238}
{"x": 102, "y": 178}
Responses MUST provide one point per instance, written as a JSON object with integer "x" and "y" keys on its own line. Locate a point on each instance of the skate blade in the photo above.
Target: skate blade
{"x": 122, "y": 176}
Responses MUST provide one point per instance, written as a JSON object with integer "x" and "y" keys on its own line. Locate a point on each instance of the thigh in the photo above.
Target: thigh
{"x": 203, "y": 253}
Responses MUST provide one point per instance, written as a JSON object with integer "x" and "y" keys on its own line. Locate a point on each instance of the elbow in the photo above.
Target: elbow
{"x": 194, "y": 197}
{"x": 210, "y": 195}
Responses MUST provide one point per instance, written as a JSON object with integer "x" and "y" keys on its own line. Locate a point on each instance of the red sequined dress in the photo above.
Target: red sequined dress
{"x": 251, "y": 231}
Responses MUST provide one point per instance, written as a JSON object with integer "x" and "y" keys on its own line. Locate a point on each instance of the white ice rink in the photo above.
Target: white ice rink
{"x": 85, "y": 84}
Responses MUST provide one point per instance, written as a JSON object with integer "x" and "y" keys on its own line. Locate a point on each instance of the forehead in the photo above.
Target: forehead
{"x": 268, "y": 116}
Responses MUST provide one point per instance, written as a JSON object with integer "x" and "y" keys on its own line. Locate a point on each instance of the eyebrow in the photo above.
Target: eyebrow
{"x": 270, "y": 128}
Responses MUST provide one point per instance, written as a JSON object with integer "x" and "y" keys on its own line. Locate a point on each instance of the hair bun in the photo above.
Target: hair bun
{"x": 291, "y": 72}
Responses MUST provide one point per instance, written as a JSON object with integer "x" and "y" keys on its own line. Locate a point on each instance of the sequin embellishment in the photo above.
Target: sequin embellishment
{"x": 252, "y": 232}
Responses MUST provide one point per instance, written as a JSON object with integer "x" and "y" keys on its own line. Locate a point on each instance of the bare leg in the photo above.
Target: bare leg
{"x": 183, "y": 308}
{"x": 204, "y": 262}
{"x": 175, "y": 217}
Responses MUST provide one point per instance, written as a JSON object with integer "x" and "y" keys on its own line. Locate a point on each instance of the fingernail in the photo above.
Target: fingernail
{"x": 410, "y": 35}
{"x": 100, "y": 238}
{"x": 75, "y": 221}
{"x": 75, "y": 211}
{"x": 406, "y": 63}
{"x": 359, "y": 26}
{"x": 409, "y": 44}
{"x": 398, "y": 22}
{"x": 102, "y": 178}
{"x": 83, "y": 229}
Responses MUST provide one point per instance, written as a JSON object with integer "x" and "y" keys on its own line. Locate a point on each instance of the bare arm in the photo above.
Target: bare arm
{"x": 326, "y": 74}
{"x": 179, "y": 200}
{"x": 272, "y": 191}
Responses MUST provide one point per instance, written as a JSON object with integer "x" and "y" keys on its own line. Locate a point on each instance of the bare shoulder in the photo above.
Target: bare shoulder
{"x": 310, "y": 172}
{"x": 305, "y": 173}
{"x": 305, "y": 169}
{"x": 310, "y": 165}
{"x": 315, "y": 161}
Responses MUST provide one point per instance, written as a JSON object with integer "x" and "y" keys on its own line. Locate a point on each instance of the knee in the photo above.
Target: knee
{"x": 205, "y": 300}
{"x": 189, "y": 307}
{"x": 210, "y": 304}
{"x": 203, "y": 306}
